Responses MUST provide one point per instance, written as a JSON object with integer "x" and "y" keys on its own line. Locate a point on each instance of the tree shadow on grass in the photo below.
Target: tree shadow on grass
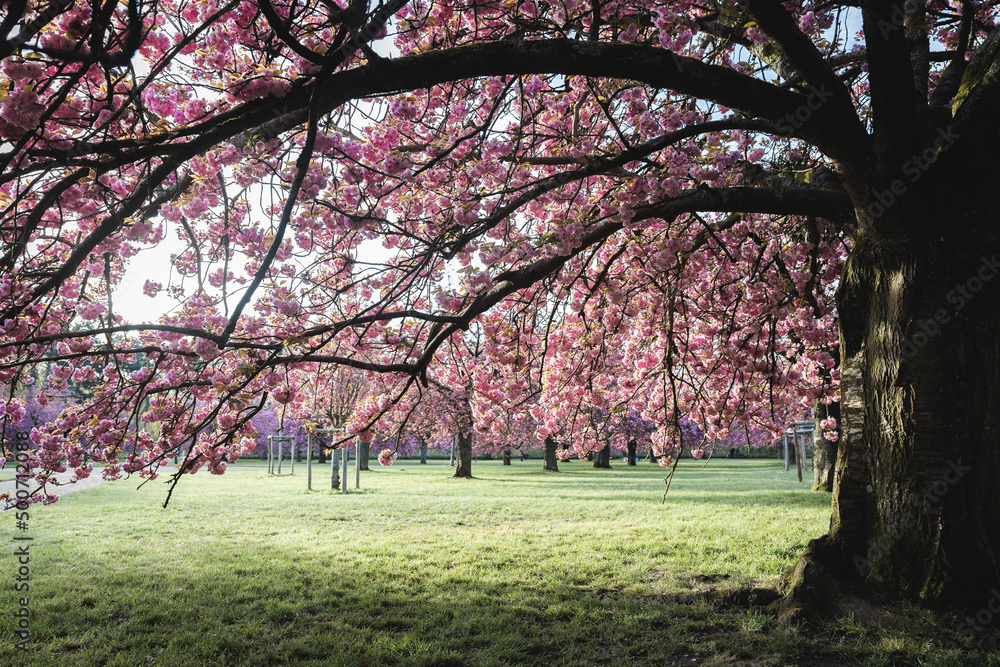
{"x": 245, "y": 573}
{"x": 337, "y": 603}
{"x": 260, "y": 613}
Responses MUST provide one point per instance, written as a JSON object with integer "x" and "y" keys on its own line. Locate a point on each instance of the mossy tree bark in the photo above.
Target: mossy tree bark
{"x": 916, "y": 504}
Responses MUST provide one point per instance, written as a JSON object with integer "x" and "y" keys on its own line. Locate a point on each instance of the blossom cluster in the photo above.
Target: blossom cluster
{"x": 509, "y": 258}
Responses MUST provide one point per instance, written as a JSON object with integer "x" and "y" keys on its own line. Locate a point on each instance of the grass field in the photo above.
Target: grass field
{"x": 517, "y": 566}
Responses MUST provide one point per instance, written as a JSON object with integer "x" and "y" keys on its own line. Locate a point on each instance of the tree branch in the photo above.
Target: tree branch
{"x": 799, "y": 49}
{"x": 894, "y": 103}
{"x": 744, "y": 200}
{"x": 650, "y": 65}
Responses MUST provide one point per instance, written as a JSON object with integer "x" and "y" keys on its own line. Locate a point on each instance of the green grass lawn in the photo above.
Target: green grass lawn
{"x": 517, "y": 566}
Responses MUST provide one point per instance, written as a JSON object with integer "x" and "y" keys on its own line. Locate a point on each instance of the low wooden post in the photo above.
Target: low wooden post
{"x": 309, "y": 461}
{"x": 798, "y": 455}
{"x": 334, "y": 470}
{"x": 344, "y": 480}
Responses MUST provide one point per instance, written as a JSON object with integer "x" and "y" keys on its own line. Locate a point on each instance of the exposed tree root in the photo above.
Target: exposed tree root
{"x": 813, "y": 593}
{"x": 814, "y": 590}
{"x": 808, "y": 591}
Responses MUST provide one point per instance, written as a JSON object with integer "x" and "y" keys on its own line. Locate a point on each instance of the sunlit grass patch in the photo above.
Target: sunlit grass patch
{"x": 516, "y": 566}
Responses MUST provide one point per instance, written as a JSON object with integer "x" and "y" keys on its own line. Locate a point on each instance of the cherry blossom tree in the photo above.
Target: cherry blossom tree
{"x": 329, "y": 395}
{"x": 720, "y": 213}
{"x": 631, "y": 433}
{"x": 435, "y": 415}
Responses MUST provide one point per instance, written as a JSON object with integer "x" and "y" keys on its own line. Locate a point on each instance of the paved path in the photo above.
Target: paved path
{"x": 95, "y": 478}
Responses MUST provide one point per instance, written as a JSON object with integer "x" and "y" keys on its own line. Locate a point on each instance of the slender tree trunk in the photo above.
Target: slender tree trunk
{"x": 630, "y": 452}
{"x": 335, "y": 471}
{"x": 602, "y": 459}
{"x": 551, "y": 462}
{"x": 363, "y": 452}
{"x": 423, "y": 452}
{"x": 824, "y": 451}
{"x": 463, "y": 463}
{"x": 506, "y": 456}
{"x": 322, "y": 453}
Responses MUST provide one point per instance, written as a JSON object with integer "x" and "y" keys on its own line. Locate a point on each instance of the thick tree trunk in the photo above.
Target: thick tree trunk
{"x": 916, "y": 505}
{"x": 463, "y": 462}
{"x": 824, "y": 451}
{"x": 423, "y": 452}
{"x": 602, "y": 459}
{"x": 506, "y": 456}
{"x": 630, "y": 452}
{"x": 551, "y": 462}
{"x": 929, "y": 426}
{"x": 363, "y": 452}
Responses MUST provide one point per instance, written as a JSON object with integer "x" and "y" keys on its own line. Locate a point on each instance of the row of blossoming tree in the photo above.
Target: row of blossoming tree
{"x": 725, "y": 213}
